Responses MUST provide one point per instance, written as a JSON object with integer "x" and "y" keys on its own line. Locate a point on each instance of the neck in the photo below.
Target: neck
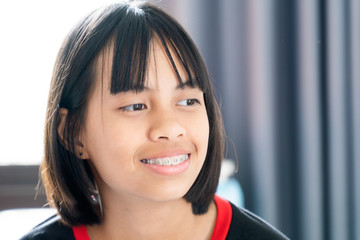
{"x": 137, "y": 218}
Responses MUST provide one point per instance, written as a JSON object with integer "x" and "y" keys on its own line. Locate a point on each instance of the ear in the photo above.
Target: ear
{"x": 63, "y": 112}
{"x": 80, "y": 150}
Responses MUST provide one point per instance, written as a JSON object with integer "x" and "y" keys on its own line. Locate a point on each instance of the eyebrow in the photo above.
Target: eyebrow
{"x": 183, "y": 85}
{"x": 187, "y": 84}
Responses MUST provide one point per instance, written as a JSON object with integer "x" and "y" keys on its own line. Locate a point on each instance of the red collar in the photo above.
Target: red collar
{"x": 223, "y": 220}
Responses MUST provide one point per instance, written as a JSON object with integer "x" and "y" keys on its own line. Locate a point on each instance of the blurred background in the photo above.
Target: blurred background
{"x": 287, "y": 75}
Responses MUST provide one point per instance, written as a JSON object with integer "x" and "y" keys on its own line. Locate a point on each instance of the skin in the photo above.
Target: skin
{"x": 122, "y": 129}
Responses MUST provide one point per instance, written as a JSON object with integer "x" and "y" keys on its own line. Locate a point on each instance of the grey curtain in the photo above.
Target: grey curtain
{"x": 287, "y": 74}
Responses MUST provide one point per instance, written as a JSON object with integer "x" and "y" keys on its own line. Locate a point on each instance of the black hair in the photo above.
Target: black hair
{"x": 130, "y": 27}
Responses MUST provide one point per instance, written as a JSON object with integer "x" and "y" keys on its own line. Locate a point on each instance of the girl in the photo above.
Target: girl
{"x": 134, "y": 137}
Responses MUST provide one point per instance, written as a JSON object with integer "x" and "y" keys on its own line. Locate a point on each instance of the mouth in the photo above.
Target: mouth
{"x": 167, "y": 161}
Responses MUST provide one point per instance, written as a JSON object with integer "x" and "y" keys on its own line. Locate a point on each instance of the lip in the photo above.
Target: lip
{"x": 167, "y": 170}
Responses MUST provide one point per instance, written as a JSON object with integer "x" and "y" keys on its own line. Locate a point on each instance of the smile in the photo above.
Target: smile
{"x": 168, "y": 161}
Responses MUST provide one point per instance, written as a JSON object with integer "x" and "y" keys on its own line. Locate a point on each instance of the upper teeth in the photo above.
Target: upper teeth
{"x": 168, "y": 161}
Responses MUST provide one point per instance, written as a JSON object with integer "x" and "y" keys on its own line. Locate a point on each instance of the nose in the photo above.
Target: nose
{"x": 166, "y": 127}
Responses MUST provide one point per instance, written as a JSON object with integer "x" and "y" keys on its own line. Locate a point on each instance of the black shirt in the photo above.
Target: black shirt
{"x": 243, "y": 225}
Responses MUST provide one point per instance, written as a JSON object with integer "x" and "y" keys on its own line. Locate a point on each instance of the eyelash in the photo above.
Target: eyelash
{"x": 139, "y": 106}
{"x": 192, "y": 101}
{"x": 135, "y": 107}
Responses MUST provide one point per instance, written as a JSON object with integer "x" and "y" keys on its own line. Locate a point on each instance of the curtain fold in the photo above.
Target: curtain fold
{"x": 338, "y": 116}
{"x": 354, "y": 32}
{"x": 261, "y": 93}
{"x": 309, "y": 130}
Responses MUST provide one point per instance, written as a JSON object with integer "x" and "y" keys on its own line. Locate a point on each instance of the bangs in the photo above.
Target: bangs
{"x": 133, "y": 38}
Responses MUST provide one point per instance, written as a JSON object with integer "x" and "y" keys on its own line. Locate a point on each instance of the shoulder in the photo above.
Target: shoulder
{"x": 246, "y": 225}
{"x": 51, "y": 228}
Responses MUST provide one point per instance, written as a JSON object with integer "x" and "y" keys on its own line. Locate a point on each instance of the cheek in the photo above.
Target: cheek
{"x": 200, "y": 132}
{"x": 106, "y": 142}
{"x": 112, "y": 155}
{"x": 121, "y": 140}
{"x": 205, "y": 133}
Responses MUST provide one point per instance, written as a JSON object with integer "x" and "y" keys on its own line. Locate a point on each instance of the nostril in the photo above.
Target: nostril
{"x": 166, "y": 130}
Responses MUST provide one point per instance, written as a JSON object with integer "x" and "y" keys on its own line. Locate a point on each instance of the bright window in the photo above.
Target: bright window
{"x": 31, "y": 35}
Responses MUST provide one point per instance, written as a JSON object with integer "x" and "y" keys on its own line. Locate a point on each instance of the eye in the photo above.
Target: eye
{"x": 133, "y": 107}
{"x": 188, "y": 102}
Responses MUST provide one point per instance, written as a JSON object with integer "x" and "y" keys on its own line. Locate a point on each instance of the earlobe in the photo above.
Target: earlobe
{"x": 80, "y": 150}
{"x": 81, "y": 153}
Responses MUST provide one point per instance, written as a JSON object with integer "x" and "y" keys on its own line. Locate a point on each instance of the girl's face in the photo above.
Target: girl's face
{"x": 150, "y": 144}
